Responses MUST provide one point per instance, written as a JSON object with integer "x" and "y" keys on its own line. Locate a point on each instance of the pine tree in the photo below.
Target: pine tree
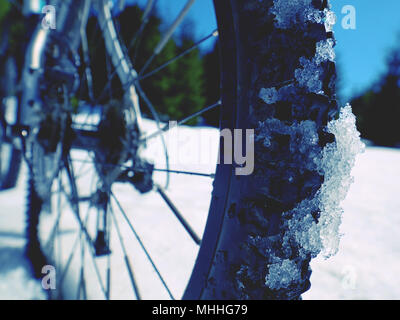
{"x": 378, "y": 109}
{"x": 178, "y": 89}
{"x": 4, "y": 9}
{"x": 158, "y": 87}
{"x": 189, "y": 77}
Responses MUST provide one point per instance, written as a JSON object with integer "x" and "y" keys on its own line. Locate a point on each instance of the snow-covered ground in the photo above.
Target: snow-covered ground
{"x": 15, "y": 280}
{"x": 368, "y": 263}
{"x": 366, "y": 266}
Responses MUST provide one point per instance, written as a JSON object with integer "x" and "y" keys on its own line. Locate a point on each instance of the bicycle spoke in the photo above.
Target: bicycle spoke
{"x": 107, "y": 229}
{"x": 80, "y": 172}
{"x": 72, "y": 253}
{"x": 167, "y": 127}
{"x": 82, "y": 226}
{"x": 126, "y": 258}
{"x": 200, "y": 174}
{"x": 59, "y": 209}
{"x": 108, "y": 277}
{"x": 86, "y": 59}
{"x": 85, "y": 51}
{"x": 96, "y": 268}
{"x": 149, "y": 7}
{"x": 89, "y": 240}
{"x": 181, "y": 55}
{"x": 84, "y": 173}
{"x": 108, "y": 66}
{"x": 54, "y": 230}
{"x": 209, "y": 175}
{"x": 179, "y": 216}
{"x": 82, "y": 283}
{"x": 74, "y": 199}
{"x": 158, "y": 123}
{"x": 73, "y": 250}
{"x": 198, "y": 113}
{"x": 138, "y": 36}
{"x": 168, "y": 34}
{"x": 125, "y": 216}
{"x": 142, "y": 77}
{"x": 69, "y": 260}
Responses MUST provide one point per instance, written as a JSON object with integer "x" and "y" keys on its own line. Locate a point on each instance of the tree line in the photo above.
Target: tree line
{"x": 378, "y": 108}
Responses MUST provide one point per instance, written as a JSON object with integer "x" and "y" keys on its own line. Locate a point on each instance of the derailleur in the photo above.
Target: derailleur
{"x": 140, "y": 176}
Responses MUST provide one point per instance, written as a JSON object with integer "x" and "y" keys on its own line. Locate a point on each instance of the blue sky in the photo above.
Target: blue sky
{"x": 361, "y": 52}
{"x": 201, "y": 13}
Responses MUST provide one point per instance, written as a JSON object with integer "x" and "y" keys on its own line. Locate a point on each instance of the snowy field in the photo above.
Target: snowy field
{"x": 368, "y": 262}
{"x": 366, "y": 266}
{"x": 15, "y": 281}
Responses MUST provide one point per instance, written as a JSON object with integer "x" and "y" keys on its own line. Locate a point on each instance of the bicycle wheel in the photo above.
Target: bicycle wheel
{"x": 10, "y": 157}
{"x": 278, "y": 79}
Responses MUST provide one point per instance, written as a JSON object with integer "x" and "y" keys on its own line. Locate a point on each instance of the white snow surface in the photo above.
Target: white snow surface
{"x": 15, "y": 277}
{"x": 284, "y": 273}
{"x": 366, "y": 266}
{"x": 335, "y": 163}
{"x": 309, "y": 74}
{"x": 288, "y": 13}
